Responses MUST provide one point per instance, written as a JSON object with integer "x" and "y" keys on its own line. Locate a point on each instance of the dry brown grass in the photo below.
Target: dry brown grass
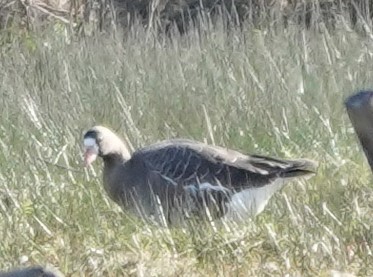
{"x": 265, "y": 91}
{"x": 164, "y": 14}
{"x": 275, "y": 90}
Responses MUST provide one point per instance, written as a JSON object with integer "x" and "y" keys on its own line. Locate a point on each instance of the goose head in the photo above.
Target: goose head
{"x": 100, "y": 141}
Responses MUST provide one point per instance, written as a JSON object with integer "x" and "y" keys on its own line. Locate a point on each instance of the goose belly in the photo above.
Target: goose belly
{"x": 251, "y": 202}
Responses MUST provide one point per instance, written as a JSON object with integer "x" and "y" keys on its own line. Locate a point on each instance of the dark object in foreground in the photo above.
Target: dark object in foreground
{"x": 171, "y": 180}
{"x": 360, "y": 111}
{"x": 35, "y": 271}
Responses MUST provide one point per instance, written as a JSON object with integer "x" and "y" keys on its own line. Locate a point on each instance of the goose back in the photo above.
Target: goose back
{"x": 186, "y": 161}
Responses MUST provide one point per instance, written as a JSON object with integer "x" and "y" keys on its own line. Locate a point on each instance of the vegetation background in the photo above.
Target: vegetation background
{"x": 266, "y": 77}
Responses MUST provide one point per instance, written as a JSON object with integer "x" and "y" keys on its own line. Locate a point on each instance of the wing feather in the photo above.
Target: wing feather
{"x": 186, "y": 161}
{"x": 207, "y": 176}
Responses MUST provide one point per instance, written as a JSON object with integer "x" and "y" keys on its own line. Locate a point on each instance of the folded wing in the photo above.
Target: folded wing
{"x": 186, "y": 162}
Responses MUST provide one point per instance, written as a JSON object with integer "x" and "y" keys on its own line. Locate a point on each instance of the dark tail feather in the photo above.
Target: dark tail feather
{"x": 298, "y": 168}
{"x": 284, "y": 168}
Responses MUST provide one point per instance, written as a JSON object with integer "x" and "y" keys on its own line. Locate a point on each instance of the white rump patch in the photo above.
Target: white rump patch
{"x": 244, "y": 204}
{"x": 90, "y": 142}
{"x": 251, "y": 202}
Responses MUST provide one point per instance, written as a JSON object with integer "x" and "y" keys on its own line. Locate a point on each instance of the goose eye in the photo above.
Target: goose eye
{"x": 98, "y": 140}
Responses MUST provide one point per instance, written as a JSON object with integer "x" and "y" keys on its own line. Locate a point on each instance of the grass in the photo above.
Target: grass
{"x": 275, "y": 92}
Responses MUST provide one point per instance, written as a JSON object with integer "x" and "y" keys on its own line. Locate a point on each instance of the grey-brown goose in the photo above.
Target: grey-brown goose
{"x": 34, "y": 271}
{"x": 187, "y": 176}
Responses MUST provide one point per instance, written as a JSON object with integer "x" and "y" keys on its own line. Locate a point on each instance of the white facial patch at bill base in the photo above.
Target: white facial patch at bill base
{"x": 90, "y": 143}
{"x": 91, "y": 150}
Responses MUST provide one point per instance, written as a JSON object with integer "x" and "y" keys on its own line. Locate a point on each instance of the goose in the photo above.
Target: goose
{"x": 360, "y": 111}
{"x": 33, "y": 271}
{"x": 178, "y": 179}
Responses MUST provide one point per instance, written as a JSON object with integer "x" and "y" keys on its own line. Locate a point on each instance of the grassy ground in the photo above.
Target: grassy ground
{"x": 277, "y": 92}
